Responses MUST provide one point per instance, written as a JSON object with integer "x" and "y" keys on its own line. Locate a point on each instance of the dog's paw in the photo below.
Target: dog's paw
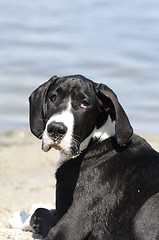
{"x": 42, "y": 221}
{"x": 21, "y": 219}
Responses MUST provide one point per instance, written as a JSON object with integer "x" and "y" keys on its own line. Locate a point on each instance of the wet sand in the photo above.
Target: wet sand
{"x": 27, "y": 177}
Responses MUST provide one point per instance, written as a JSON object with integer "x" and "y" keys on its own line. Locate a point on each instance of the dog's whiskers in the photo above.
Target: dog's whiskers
{"x": 75, "y": 145}
{"x": 40, "y": 133}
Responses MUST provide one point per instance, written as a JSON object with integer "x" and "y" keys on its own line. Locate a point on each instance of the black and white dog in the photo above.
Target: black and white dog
{"x": 107, "y": 177}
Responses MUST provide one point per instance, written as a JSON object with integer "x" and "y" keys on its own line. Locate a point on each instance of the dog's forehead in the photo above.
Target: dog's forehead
{"x": 73, "y": 86}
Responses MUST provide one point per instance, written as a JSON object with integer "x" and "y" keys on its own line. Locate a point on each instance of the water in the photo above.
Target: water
{"x": 114, "y": 42}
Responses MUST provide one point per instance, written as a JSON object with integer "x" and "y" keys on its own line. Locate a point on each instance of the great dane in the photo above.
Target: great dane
{"x": 107, "y": 177}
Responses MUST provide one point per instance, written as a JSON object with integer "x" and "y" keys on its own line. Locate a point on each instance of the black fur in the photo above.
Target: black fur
{"x": 111, "y": 190}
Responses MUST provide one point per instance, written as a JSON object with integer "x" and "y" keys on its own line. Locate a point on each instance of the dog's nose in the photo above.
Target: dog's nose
{"x": 56, "y": 130}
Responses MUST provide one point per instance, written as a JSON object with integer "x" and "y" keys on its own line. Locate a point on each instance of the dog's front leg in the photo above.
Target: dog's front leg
{"x": 71, "y": 226}
{"x": 66, "y": 231}
{"x": 59, "y": 232}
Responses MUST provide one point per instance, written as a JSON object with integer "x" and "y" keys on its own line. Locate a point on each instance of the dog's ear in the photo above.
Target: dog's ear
{"x": 110, "y": 103}
{"x": 38, "y": 107}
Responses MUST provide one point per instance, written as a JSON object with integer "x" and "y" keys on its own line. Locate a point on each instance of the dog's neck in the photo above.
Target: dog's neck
{"x": 105, "y": 131}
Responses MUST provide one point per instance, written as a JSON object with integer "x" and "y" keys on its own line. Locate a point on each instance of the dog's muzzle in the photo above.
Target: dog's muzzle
{"x": 53, "y": 136}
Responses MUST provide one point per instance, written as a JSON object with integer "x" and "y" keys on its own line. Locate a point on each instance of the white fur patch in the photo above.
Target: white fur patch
{"x": 104, "y": 132}
{"x": 66, "y": 117}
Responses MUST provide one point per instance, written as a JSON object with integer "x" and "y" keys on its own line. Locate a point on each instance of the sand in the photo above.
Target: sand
{"x": 27, "y": 177}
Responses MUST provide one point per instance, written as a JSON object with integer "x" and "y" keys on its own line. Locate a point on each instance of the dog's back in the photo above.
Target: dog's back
{"x": 113, "y": 184}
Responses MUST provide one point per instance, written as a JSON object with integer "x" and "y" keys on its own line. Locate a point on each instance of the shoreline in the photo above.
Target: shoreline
{"x": 27, "y": 177}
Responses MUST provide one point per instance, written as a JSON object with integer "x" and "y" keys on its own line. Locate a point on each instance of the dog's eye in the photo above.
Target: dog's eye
{"x": 84, "y": 104}
{"x": 53, "y": 98}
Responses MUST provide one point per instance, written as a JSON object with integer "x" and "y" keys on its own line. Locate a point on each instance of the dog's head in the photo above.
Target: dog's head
{"x": 67, "y": 112}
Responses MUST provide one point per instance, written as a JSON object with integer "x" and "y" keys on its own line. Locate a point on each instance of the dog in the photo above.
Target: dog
{"x": 107, "y": 176}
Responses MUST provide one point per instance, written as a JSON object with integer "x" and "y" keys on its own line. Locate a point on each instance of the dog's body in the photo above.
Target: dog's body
{"x": 107, "y": 177}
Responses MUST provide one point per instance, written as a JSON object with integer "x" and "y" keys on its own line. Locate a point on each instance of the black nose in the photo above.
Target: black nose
{"x": 56, "y": 130}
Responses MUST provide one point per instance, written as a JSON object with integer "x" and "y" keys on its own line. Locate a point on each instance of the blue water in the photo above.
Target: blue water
{"x": 114, "y": 42}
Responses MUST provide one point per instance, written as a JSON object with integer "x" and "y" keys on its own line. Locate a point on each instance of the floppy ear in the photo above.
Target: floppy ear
{"x": 38, "y": 108}
{"x": 123, "y": 129}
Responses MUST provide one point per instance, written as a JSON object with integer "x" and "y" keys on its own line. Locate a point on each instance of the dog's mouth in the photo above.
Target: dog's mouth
{"x": 47, "y": 147}
{"x": 60, "y": 145}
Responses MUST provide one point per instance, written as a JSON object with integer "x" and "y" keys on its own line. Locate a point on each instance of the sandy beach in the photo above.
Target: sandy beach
{"x": 27, "y": 177}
